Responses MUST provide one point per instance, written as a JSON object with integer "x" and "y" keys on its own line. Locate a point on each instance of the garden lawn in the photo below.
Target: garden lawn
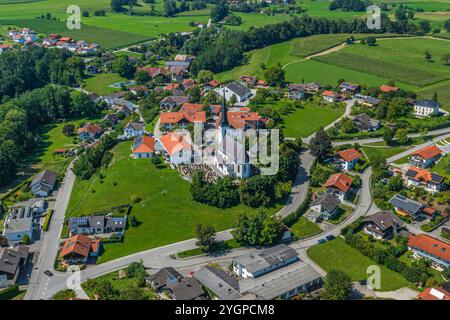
{"x": 443, "y": 167}
{"x": 304, "y": 228}
{"x": 305, "y": 121}
{"x": 442, "y": 90}
{"x": 100, "y": 83}
{"x": 381, "y": 149}
{"x": 166, "y": 214}
{"x": 337, "y": 255}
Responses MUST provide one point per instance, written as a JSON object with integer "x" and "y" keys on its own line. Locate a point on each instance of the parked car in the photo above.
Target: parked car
{"x": 48, "y": 273}
{"x": 321, "y": 241}
{"x": 330, "y": 237}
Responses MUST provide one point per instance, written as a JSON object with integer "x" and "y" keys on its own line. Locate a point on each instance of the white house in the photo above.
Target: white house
{"x": 134, "y": 129}
{"x": 176, "y": 147}
{"x": 241, "y": 92}
{"x": 331, "y": 96}
{"x": 425, "y": 108}
{"x": 143, "y": 147}
{"x": 44, "y": 183}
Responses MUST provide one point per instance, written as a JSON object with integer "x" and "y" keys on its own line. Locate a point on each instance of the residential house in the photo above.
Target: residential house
{"x": 174, "y": 88}
{"x": 313, "y": 87}
{"x": 249, "y": 81}
{"x": 370, "y": 101}
{"x": 186, "y": 289}
{"x": 347, "y": 87}
{"x": 98, "y": 224}
{"x": 182, "y": 118}
{"x": 365, "y": 123}
{"x": 188, "y": 83}
{"x": 164, "y": 278}
{"x": 177, "y": 148}
{"x": 283, "y": 283}
{"x": 89, "y": 132}
{"x": 171, "y": 102}
{"x": 324, "y": 207}
{"x": 426, "y": 157}
{"x": 348, "y": 158}
{"x": 406, "y": 207}
{"x": 139, "y": 90}
{"x": 111, "y": 119}
{"x": 219, "y": 282}
{"x": 331, "y": 96}
{"x": 19, "y": 224}
{"x": 211, "y": 85}
{"x": 161, "y": 73}
{"x": 12, "y": 261}
{"x": 339, "y": 185}
{"x": 435, "y": 293}
{"x": 388, "y": 89}
{"x": 417, "y": 177}
{"x": 425, "y": 108}
{"x": 241, "y": 92}
{"x": 296, "y": 91}
{"x": 78, "y": 248}
{"x": 44, "y": 183}
{"x": 429, "y": 248}
{"x": 258, "y": 263}
{"x": 382, "y": 225}
{"x": 143, "y": 147}
{"x": 134, "y": 129}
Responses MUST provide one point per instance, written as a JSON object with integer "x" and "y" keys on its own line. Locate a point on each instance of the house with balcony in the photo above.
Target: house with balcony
{"x": 431, "y": 249}
{"x": 339, "y": 185}
{"x": 348, "y": 158}
{"x": 422, "y": 178}
{"x": 426, "y": 157}
{"x": 382, "y": 225}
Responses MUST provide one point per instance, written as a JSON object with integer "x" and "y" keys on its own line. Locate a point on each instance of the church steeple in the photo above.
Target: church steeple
{"x": 224, "y": 120}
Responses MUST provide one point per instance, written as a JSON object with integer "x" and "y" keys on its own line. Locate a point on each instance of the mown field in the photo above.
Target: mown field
{"x": 166, "y": 213}
{"x": 100, "y": 83}
{"x": 337, "y": 255}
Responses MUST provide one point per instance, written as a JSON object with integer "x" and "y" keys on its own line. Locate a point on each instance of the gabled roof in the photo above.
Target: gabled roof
{"x": 372, "y": 100}
{"x": 435, "y": 293}
{"x": 213, "y": 83}
{"x": 178, "y": 99}
{"x": 144, "y": 144}
{"x": 173, "y": 143}
{"x": 80, "y": 245}
{"x": 328, "y": 93}
{"x": 423, "y": 175}
{"x": 328, "y": 201}
{"x": 10, "y": 259}
{"x": 187, "y": 289}
{"x": 428, "y": 152}
{"x": 349, "y": 154}
{"x": 340, "y": 181}
{"x": 427, "y": 104}
{"x": 386, "y": 89}
{"x": 238, "y": 88}
{"x": 90, "y": 128}
{"x": 188, "y": 115}
{"x": 46, "y": 176}
{"x": 405, "y": 204}
{"x": 137, "y": 126}
{"x": 384, "y": 220}
{"x": 430, "y": 245}
{"x": 223, "y": 285}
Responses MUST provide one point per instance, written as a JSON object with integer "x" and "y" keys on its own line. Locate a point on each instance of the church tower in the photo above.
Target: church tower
{"x": 223, "y": 124}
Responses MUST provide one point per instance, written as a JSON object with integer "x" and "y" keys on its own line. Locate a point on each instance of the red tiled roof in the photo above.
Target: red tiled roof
{"x": 428, "y": 152}
{"x": 430, "y": 245}
{"x": 214, "y": 83}
{"x": 237, "y": 119}
{"x": 349, "y": 154}
{"x": 329, "y": 93}
{"x": 387, "y": 89}
{"x": 173, "y": 143}
{"x": 79, "y": 244}
{"x": 147, "y": 145}
{"x": 434, "y": 294}
{"x": 339, "y": 181}
{"x": 188, "y": 115}
{"x": 422, "y": 174}
{"x": 90, "y": 128}
{"x": 429, "y": 211}
{"x": 154, "y": 72}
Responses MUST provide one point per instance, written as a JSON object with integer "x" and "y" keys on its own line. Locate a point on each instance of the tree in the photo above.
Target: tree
{"x": 170, "y": 8}
{"x": 425, "y": 26}
{"x": 446, "y": 58}
{"x": 447, "y": 25}
{"x": 388, "y": 136}
{"x": 68, "y": 130}
{"x": 274, "y": 75}
{"x": 371, "y": 41}
{"x": 257, "y": 229}
{"x": 3, "y": 241}
{"x": 428, "y": 55}
{"x": 136, "y": 270}
{"x": 206, "y": 236}
{"x": 395, "y": 183}
{"x": 219, "y": 12}
{"x": 337, "y": 286}
{"x": 204, "y": 76}
{"x": 104, "y": 289}
{"x": 402, "y": 136}
{"x": 320, "y": 145}
{"x": 142, "y": 77}
{"x": 124, "y": 67}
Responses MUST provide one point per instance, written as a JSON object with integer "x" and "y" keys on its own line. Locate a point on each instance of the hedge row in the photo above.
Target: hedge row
{"x": 47, "y": 220}
{"x": 294, "y": 216}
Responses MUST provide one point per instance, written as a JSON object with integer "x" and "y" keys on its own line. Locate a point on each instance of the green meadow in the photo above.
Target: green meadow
{"x": 166, "y": 213}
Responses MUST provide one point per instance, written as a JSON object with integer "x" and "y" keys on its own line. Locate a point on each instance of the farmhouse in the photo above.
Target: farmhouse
{"x": 325, "y": 207}
{"x": 406, "y": 207}
{"x": 425, "y": 157}
{"x": 417, "y": 177}
{"x": 44, "y": 183}
{"x": 365, "y": 123}
{"x": 259, "y": 263}
{"x": 348, "y": 158}
{"x": 382, "y": 225}
{"x": 176, "y": 147}
{"x": 331, "y": 96}
{"x": 97, "y": 225}
{"x": 171, "y": 102}
{"x": 12, "y": 261}
{"x": 241, "y": 92}
{"x": 434, "y": 250}
{"x": 425, "y": 108}
{"x": 78, "y": 248}
{"x": 143, "y": 147}
{"x": 134, "y": 129}
{"x": 90, "y": 132}
{"x": 338, "y": 184}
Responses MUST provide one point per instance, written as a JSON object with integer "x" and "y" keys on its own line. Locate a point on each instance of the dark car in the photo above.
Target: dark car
{"x": 48, "y": 272}
{"x": 321, "y": 241}
{"x": 330, "y": 237}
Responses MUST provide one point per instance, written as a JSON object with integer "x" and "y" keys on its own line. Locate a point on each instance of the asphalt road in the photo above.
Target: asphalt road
{"x": 39, "y": 281}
